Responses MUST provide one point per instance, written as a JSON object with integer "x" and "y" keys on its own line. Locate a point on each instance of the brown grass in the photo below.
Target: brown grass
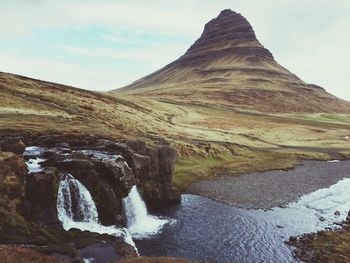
{"x": 18, "y": 254}
{"x": 36, "y": 107}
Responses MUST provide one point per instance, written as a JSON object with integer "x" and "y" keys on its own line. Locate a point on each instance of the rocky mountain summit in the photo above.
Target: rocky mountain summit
{"x": 228, "y": 67}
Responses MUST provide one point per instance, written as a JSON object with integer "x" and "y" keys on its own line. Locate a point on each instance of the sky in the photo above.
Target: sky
{"x": 106, "y": 44}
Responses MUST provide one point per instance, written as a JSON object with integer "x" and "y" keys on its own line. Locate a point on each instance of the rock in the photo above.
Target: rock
{"x": 41, "y": 197}
{"x": 142, "y": 166}
{"x": 64, "y": 249}
{"x": 14, "y": 145}
{"x": 337, "y": 213}
{"x": 13, "y": 173}
{"x": 108, "y": 181}
{"x": 156, "y": 187}
{"x": 137, "y": 146}
{"x": 293, "y": 239}
{"x": 124, "y": 250}
{"x": 348, "y": 217}
{"x": 322, "y": 219}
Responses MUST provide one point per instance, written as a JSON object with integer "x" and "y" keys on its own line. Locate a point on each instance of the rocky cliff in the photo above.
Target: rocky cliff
{"x": 28, "y": 199}
{"x": 228, "y": 67}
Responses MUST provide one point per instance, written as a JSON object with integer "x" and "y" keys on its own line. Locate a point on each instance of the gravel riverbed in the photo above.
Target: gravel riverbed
{"x": 270, "y": 189}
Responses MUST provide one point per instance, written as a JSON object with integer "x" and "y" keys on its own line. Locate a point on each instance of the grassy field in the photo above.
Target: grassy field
{"x": 210, "y": 140}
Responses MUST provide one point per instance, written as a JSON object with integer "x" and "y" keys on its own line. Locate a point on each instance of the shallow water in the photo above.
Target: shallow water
{"x": 208, "y": 230}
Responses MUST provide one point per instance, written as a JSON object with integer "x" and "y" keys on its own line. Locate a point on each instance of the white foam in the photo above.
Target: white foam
{"x": 86, "y": 210}
{"x": 34, "y": 166}
{"x": 140, "y": 223}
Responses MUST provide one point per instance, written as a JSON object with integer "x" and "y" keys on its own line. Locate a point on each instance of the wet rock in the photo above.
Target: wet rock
{"x": 123, "y": 249}
{"x": 322, "y": 219}
{"x": 348, "y": 217}
{"x": 293, "y": 239}
{"x": 14, "y": 145}
{"x": 337, "y": 213}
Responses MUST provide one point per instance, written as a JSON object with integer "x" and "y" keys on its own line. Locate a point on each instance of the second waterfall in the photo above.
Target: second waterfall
{"x": 140, "y": 223}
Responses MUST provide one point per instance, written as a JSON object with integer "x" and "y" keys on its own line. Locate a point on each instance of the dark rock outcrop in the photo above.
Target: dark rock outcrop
{"x": 12, "y": 179}
{"x": 41, "y": 197}
{"x": 108, "y": 180}
{"x": 14, "y": 145}
{"x": 29, "y": 199}
{"x": 154, "y": 172}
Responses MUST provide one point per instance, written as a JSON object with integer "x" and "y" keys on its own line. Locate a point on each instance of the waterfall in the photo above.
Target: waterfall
{"x": 77, "y": 209}
{"x": 75, "y": 203}
{"x": 140, "y": 223}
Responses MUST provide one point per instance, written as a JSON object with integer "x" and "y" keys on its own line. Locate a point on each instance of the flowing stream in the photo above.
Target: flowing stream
{"x": 211, "y": 231}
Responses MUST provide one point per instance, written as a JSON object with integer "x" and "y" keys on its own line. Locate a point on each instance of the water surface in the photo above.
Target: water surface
{"x": 209, "y": 230}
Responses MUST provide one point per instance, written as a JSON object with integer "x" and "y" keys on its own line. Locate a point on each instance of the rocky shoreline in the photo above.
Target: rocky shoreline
{"x": 324, "y": 246}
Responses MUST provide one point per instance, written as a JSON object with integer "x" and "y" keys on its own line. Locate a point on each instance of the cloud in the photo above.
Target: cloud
{"x": 56, "y": 71}
{"x": 308, "y": 38}
{"x": 154, "y": 55}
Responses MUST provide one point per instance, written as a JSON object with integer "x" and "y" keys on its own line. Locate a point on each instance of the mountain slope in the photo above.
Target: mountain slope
{"x": 228, "y": 67}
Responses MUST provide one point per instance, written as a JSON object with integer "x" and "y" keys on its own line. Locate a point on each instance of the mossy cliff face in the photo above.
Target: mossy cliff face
{"x": 12, "y": 178}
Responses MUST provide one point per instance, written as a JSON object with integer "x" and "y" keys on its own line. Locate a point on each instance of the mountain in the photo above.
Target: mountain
{"x": 228, "y": 67}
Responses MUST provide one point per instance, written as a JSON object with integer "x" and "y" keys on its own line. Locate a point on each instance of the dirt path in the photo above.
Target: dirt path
{"x": 273, "y": 188}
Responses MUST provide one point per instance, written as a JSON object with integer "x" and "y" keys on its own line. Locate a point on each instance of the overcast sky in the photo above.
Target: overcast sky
{"x": 107, "y": 44}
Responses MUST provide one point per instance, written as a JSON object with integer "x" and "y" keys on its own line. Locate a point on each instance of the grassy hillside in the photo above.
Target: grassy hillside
{"x": 209, "y": 140}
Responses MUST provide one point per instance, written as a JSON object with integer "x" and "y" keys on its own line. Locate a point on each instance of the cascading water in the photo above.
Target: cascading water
{"x": 74, "y": 203}
{"x": 77, "y": 209}
{"x": 140, "y": 223}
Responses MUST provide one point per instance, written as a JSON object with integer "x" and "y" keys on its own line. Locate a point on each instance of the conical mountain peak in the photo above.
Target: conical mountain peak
{"x": 228, "y": 67}
{"x": 230, "y": 33}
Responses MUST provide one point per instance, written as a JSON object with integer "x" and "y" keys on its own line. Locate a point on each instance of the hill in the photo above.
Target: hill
{"x": 209, "y": 140}
{"x": 229, "y": 68}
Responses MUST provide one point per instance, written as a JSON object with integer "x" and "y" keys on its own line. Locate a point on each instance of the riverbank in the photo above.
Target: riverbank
{"x": 324, "y": 246}
{"x": 270, "y": 189}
